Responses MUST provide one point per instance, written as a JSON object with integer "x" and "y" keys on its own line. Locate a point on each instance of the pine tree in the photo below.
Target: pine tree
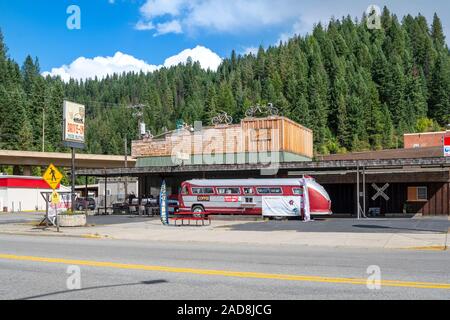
{"x": 439, "y": 103}
{"x": 356, "y": 88}
{"x": 437, "y": 33}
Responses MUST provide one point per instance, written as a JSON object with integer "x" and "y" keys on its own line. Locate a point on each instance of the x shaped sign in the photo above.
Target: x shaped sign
{"x": 380, "y": 191}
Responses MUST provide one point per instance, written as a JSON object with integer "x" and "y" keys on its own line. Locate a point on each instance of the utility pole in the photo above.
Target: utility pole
{"x": 73, "y": 180}
{"x": 138, "y": 113}
{"x": 126, "y": 166}
{"x": 43, "y": 129}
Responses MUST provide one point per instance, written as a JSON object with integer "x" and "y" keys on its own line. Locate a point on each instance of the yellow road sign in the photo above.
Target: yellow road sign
{"x": 52, "y": 176}
{"x": 55, "y": 197}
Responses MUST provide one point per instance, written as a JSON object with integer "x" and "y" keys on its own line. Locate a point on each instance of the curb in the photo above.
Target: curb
{"x": 60, "y": 234}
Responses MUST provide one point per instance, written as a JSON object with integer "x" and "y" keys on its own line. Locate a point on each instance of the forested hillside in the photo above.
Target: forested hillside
{"x": 356, "y": 88}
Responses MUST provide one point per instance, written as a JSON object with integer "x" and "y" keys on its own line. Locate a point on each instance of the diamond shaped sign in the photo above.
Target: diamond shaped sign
{"x": 52, "y": 176}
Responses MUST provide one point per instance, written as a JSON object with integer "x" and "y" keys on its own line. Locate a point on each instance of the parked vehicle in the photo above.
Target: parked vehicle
{"x": 173, "y": 203}
{"x": 270, "y": 197}
{"x": 85, "y": 203}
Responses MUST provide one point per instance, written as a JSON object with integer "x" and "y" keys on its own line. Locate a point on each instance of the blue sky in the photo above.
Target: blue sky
{"x": 147, "y": 32}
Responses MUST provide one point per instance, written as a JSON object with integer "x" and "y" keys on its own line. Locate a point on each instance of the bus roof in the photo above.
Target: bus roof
{"x": 245, "y": 182}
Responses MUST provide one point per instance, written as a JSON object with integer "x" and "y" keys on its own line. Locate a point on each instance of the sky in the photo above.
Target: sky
{"x": 99, "y": 37}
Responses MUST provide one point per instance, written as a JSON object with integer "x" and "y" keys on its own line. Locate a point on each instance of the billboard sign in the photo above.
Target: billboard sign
{"x": 74, "y": 124}
{"x": 447, "y": 144}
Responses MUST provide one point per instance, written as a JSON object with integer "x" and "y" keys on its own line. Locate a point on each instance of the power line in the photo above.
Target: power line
{"x": 126, "y": 105}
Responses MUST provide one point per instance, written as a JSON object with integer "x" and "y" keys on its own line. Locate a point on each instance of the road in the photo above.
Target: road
{"x": 35, "y": 267}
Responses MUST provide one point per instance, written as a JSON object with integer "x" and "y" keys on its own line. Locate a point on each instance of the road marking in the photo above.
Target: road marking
{"x": 429, "y": 248}
{"x": 225, "y": 273}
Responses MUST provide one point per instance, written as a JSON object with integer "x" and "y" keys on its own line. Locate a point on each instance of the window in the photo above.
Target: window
{"x": 269, "y": 190}
{"x": 297, "y": 191}
{"x": 417, "y": 193}
{"x": 422, "y": 193}
{"x": 202, "y": 190}
{"x": 249, "y": 200}
{"x": 184, "y": 190}
{"x": 248, "y": 190}
{"x": 232, "y": 190}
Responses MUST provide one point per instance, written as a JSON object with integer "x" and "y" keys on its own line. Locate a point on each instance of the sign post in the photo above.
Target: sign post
{"x": 73, "y": 134}
{"x": 53, "y": 178}
{"x": 55, "y": 201}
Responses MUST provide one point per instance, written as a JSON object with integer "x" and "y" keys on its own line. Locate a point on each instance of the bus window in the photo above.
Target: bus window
{"x": 208, "y": 190}
{"x": 248, "y": 190}
{"x": 232, "y": 190}
{"x": 297, "y": 191}
{"x": 269, "y": 190}
{"x": 202, "y": 190}
{"x": 184, "y": 190}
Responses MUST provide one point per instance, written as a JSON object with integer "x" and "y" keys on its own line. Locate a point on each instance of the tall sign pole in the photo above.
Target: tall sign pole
{"x": 73, "y": 177}
{"x": 73, "y": 134}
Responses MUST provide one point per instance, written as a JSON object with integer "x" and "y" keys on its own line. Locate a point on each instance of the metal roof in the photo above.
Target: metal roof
{"x": 244, "y": 182}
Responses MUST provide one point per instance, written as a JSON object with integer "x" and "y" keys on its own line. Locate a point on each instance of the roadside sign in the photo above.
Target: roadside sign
{"x": 447, "y": 144}
{"x": 55, "y": 199}
{"x": 52, "y": 176}
{"x": 380, "y": 192}
{"x": 74, "y": 124}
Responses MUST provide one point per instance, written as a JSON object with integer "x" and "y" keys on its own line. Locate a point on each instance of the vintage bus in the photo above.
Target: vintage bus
{"x": 269, "y": 197}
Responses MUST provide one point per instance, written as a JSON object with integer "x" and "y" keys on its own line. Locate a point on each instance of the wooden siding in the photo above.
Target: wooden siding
{"x": 275, "y": 134}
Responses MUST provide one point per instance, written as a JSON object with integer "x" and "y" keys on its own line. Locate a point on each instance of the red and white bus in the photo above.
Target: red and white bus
{"x": 269, "y": 197}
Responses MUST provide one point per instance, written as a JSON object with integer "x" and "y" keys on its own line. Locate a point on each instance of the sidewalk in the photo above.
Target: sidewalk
{"x": 224, "y": 232}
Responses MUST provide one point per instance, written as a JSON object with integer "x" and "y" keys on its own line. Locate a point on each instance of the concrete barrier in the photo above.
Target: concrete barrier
{"x": 72, "y": 220}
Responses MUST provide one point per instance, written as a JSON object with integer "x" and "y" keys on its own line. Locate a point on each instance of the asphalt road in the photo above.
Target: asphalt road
{"x": 371, "y": 225}
{"x": 438, "y": 224}
{"x": 35, "y": 267}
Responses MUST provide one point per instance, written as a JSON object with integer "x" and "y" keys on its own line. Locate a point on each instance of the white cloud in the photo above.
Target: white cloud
{"x": 155, "y": 8}
{"x": 85, "y": 68}
{"x": 232, "y": 16}
{"x": 173, "y": 26}
{"x": 141, "y": 25}
{"x": 207, "y": 58}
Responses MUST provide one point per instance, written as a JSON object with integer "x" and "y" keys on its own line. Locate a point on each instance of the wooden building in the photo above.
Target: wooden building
{"x": 254, "y": 140}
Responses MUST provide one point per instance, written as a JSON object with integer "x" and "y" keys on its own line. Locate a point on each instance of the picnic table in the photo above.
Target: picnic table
{"x": 190, "y": 217}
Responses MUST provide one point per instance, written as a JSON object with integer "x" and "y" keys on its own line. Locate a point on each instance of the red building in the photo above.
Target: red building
{"x": 424, "y": 139}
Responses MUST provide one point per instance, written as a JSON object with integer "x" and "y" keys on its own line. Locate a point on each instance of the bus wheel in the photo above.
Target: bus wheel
{"x": 198, "y": 211}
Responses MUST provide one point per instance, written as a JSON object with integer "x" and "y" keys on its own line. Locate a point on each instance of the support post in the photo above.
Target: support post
{"x": 43, "y": 129}
{"x": 364, "y": 192}
{"x": 86, "y": 194}
{"x": 46, "y": 210}
{"x": 73, "y": 180}
{"x": 56, "y": 218}
{"x": 106, "y": 186}
{"x": 357, "y": 192}
{"x": 126, "y": 166}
